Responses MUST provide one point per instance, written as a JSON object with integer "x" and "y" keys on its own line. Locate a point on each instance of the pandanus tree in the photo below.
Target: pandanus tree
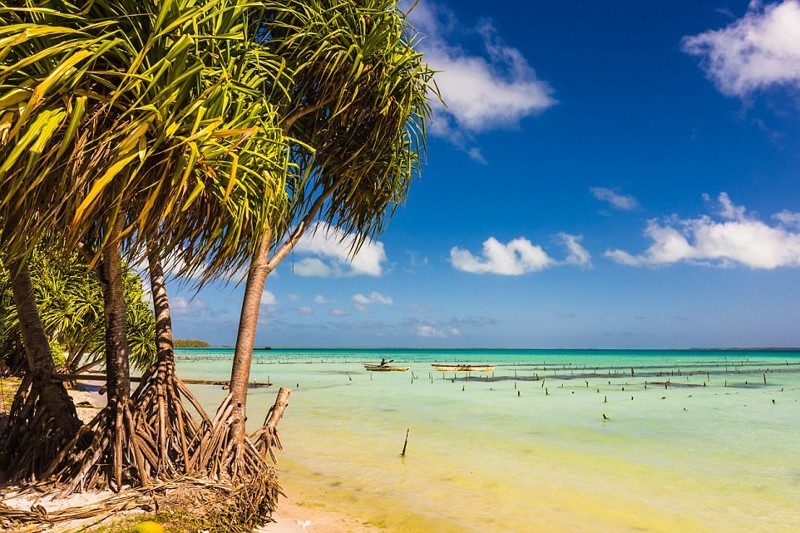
{"x": 46, "y": 419}
{"x": 150, "y": 132}
{"x": 70, "y": 305}
{"x": 354, "y": 118}
{"x": 210, "y": 131}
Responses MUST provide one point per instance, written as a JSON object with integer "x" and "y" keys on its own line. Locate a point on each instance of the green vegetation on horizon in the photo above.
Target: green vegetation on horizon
{"x": 190, "y": 343}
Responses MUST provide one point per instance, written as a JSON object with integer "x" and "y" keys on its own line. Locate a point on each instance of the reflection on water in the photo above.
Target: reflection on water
{"x": 550, "y": 441}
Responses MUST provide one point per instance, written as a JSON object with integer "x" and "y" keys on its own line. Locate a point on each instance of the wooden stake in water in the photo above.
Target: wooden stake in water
{"x": 405, "y": 444}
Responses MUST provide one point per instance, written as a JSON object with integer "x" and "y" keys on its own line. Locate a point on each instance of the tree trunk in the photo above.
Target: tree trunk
{"x": 111, "y": 280}
{"x": 163, "y": 421}
{"x": 117, "y": 365}
{"x": 166, "y": 355}
{"x": 145, "y": 435}
{"x": 260, "y": 268}
{"x": 248, "y": 322}
{"x": 158, "y": 287}
{"x": 43, "y": 420}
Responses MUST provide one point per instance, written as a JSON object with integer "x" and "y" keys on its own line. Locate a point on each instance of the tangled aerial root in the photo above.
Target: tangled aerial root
{"x": 137, "y": 440}
{"x": 38, "y": 428}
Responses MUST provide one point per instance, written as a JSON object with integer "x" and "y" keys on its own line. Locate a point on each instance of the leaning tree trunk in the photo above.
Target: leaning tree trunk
{"x": 163, "y": 423}
{"x": 245, "y": 339}
{"x": 226, "y": 451}
{"x": 42, "y": 418}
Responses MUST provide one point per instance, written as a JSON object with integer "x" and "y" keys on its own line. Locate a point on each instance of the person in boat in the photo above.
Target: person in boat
{"x": 384, "y": 362}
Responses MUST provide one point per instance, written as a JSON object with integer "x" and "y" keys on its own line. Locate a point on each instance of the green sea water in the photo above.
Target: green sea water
{"x": 551, "y": 440}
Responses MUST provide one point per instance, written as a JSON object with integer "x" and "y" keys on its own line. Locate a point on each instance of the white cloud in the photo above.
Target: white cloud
{"x": 328, "y": 252}
{"x": 517, "y": 257}
{"x": 787, "y": 218}
{"x": 373, "y": 298}
{"x": 268, "y": 298}
{"x": 476, "y": 155}
{"x": 361, "y": 308}
{"x": 305, "y": 310}
{"x": 481, "y": 92}
{"x": 727, "y": 209}
{"x": 312, "y": 267}
{"x": 625, "y": 202}
{"x": 578, "y": 255}
{"x": 738, "y": 239}
{"x": 513, "y": 259}
{"x": 337, "y": 312}
{"x": 759, "y": 50}
{"x": 426, "y": 330}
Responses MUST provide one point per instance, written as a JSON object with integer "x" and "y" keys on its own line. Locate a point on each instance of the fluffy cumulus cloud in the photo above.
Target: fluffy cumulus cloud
{"x": 732, "y": 238}
{"x": 625, "y": 202}
{"x": 325, "y": 252}
{"x": 517, "y": 257}
{"x": 759, "y": 50}
{"x": 494, "y": 89}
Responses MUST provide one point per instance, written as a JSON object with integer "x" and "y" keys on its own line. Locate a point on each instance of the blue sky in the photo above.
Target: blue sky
{"x": 606, "y": 175}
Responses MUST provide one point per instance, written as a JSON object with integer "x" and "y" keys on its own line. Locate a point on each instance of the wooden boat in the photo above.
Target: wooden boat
{"x": 386, "y": 368}
{"x": 462, "y": 367}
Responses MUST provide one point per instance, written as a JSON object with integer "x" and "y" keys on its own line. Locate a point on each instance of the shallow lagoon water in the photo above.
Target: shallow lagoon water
{"x": 527, "y": 448}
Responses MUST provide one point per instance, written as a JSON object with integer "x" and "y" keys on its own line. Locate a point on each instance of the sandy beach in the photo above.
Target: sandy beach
{"x": 301, "y": 516}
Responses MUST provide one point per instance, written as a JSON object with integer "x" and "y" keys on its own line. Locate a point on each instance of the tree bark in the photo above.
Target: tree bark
{"x": 46, "y": 419}
{"x": 164, "y": 347}
{"x": 158, "y": 287}
{"x": 117, "y": 365}
{"x": 248, "y": 322}
{"x": 37, "y": 350}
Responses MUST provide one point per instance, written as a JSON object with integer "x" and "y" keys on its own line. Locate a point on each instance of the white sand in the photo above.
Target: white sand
{"x": 296, "y": 517}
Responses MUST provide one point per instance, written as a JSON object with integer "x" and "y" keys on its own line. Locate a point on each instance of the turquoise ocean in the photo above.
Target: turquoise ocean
{"x": 550, "y": 440}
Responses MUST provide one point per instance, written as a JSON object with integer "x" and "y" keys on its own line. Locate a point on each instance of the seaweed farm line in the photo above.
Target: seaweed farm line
{"x": 558, "y": 440}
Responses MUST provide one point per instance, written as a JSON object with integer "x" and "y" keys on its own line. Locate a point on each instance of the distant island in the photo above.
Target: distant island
{"x": 190, "y": 343}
